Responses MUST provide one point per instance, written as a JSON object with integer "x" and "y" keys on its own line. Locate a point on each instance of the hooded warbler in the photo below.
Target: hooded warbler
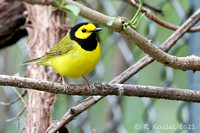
{"x": 75, "y": 55}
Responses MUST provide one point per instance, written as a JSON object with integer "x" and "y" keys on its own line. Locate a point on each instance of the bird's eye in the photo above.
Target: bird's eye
{"x": 83, "y": 30}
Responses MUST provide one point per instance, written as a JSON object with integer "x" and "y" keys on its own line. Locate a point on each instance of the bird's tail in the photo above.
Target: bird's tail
{"x": 40, "y": 61}
{"x": 36, "y": 60}
{"x": 31, "y": 61}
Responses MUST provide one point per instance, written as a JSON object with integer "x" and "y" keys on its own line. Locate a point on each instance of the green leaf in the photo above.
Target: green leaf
{"x": 138, "y": 21}
{"x": 74, "y": 9}
{"x": 57, "y": 2}
{"x": 54, "y": 8}
{"x": 62, "y": 2}
{"x": 109, "y": 23}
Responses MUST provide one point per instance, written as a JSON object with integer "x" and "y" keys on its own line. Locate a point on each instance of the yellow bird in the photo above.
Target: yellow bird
{"x": 76, "y": 54}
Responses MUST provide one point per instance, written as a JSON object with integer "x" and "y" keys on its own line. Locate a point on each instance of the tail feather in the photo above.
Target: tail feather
{"x": 36, "y": 60}
{"x": 31, "y": 61}
{"x": 41, "y": 61}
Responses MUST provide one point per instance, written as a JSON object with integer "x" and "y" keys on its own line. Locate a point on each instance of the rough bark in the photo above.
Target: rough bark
{"x": 12, "y": 21}
{"x": 44, "y": 30}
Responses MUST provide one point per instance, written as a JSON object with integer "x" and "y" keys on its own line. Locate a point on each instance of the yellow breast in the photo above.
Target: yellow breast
{"x": 77, "y": 62}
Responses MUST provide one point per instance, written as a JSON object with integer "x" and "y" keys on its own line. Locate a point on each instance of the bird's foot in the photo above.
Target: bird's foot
{"x": 66, "y": 86}
{"x": 88, "y": 83}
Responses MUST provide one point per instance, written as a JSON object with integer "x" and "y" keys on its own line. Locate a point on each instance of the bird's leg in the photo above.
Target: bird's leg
{"x": 88, "y": 83}
{"x": 66, "y": 86}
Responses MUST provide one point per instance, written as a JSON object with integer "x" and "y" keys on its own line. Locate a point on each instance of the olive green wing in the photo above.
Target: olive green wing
{"x": 63, "y": 47}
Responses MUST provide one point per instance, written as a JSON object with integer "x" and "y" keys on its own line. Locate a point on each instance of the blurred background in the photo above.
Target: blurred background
{"x": 120, "y": 114}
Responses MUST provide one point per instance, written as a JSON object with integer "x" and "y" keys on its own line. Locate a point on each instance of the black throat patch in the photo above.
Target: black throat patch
{"x": 88, "y": 44}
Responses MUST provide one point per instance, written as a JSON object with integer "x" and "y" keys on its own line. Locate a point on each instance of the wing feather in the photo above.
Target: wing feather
{"x": 63, "y": 47}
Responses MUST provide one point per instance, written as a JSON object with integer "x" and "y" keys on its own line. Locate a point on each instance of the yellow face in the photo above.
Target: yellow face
{"x": 84, "y": 31}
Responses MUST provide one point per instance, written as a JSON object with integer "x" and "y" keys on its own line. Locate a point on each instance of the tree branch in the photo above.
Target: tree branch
{"x": 150, "y": 7}
{"x": 151, "y": 16}
{"x": 17, "y": 99}
{"x": 102, "y": 89}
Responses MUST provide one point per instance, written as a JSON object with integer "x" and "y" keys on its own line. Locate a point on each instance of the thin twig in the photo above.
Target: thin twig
{"x": 161, "y": 22}
{"x": 93, "y": 130}
{"x": 17, "y": 99}
{"x": 18, "y": 115}
{"x": 151, "y": 7}
{"x": 87, "y": 4}
{"x": 19, "y": 95}
{"x": 46, "y": 2}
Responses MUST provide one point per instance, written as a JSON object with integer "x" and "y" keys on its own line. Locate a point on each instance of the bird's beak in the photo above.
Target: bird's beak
{"x": 96, "y": 30}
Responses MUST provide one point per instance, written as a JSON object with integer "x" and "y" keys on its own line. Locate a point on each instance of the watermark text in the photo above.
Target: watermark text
{"x": 157, "y": 126}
